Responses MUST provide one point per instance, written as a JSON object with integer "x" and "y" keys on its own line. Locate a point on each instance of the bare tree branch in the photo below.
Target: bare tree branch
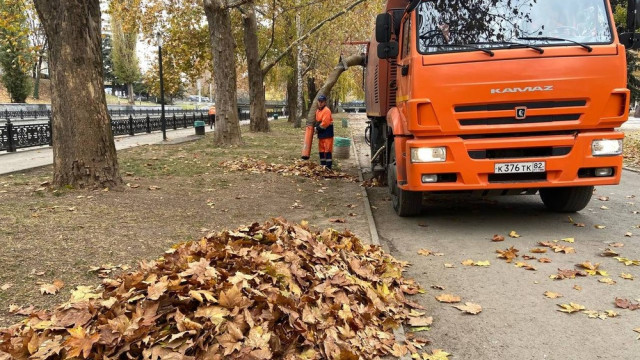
{"x": 309, "y": 33}
{"x": 273, "y": 33}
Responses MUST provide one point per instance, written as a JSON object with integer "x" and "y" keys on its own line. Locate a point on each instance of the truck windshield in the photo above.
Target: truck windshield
{"x": 495, "y": 24}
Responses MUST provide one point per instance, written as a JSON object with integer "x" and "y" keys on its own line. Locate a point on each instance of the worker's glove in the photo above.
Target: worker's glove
{"x": 318, "y": 128}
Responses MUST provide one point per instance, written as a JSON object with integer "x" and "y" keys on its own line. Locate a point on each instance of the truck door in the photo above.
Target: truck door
{"x": 404, "y": 64}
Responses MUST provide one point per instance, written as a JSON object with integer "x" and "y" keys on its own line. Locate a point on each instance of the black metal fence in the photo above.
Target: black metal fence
{"x": 45, "y": 114}
{"x": 14, "y": 136}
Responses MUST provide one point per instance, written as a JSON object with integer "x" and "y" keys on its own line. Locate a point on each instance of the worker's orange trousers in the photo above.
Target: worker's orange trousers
{"x": 325, "y": 148}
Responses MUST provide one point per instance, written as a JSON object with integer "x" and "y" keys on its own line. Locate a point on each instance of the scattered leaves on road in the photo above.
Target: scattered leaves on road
{"x": 514, "y": 234}
{"x": 508, "y": 254}
{"x": 609, "y": 253}
{"x": 557, "y": 247}
{"x": 469, "y": 308}
{"x": 628, "y": 262}
{"x": 300, "y": 168}
{"x": 567, "y": 274}
{"x": 497, "y": 238}
{"x": 626, "y": 304}
{"x": 592, "y": 269}
{"x": 571, "y": 308}
{"x": 552, "y": 295}
{"x": 448, "y": 298}
{"x": 525, "y": 266}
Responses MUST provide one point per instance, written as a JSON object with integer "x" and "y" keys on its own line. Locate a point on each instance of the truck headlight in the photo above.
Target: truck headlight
{"x": 606, "y": 147}
{"x": 428, "y": 155}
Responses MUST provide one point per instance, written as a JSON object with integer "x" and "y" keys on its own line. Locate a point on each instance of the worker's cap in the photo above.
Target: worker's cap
{"x": 322, "y": 98}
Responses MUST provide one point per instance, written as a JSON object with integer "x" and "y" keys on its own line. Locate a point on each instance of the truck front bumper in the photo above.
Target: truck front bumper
{"x": 470, "y": 163}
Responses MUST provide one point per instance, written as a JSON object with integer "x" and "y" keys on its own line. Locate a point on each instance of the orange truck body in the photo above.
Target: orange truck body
{"x": 467, "y": 102}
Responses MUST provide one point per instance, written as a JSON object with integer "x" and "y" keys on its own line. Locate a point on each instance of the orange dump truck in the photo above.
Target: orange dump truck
{"x": 497, "y": 97}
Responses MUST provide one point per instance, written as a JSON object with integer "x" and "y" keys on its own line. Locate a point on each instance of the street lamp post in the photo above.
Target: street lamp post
{"x": 162, "y": 117}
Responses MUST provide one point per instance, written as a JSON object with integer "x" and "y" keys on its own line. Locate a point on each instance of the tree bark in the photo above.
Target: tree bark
{"x": 353, "y": 60}
{"x": 130, "y": 93}
{"x": 311, "y": 90}
{"x": 84, "y": 154}
{"x": 258, "y": 110}
{"x": 224, "y": 70}
{"x": 298, "y": 77}
{"x": 291, "y": 99}
{"x": 36, "y": 82}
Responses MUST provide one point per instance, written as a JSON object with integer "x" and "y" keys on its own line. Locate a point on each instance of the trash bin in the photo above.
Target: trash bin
{"x": 341, "y": 148}
{"x": 275, "y": 116}
{"x": 199, "y": 125}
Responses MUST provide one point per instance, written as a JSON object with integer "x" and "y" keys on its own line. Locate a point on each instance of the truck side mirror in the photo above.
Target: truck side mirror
{"x": 383, "y": 28}
{"x": 388, "y": 50}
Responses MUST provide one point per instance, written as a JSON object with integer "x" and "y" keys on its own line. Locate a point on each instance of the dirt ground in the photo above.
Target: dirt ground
{"x": 50, "y": 235}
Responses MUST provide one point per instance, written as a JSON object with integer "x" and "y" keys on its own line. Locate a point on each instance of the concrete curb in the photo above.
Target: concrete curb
{"x": 637, "y": 171}
{"x": 373, "y": 231}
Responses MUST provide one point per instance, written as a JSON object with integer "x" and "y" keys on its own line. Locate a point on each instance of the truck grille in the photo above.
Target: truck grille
{"x": 529, "y": 105}
{"x": 527, "y": 177}
{"x": 514, "y": 121}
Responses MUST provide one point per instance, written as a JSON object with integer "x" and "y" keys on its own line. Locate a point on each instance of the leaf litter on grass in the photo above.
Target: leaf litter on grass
{"x": 264, "y": 291}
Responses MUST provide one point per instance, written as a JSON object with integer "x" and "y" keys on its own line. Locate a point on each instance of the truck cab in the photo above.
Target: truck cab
{"x": 497, "y": 97}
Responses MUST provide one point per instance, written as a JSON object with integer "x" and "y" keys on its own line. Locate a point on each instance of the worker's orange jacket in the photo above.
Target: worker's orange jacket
{"x": 324, "y": 123}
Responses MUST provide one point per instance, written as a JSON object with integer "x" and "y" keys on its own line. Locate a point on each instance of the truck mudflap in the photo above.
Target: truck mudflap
{"x": 471, "y": 164}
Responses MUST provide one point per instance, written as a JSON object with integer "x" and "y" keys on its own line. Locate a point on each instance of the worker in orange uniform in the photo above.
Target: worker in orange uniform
{"x": 324, "y": 128}
{"x": 212, "y": 116}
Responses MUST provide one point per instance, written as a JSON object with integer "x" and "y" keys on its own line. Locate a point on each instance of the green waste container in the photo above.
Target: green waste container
{"x": 275, "y": 116}
{"x": 199, "y": 126}
{"x": 341, "y": 148}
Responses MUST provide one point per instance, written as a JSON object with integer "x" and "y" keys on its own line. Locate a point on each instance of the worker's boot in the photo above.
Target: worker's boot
{"x": 329, "y": 160}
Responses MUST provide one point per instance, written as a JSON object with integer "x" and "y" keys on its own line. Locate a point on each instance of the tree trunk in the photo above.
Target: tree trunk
{"x": 298, "y": 77}
{"x": 258, "y": 110}
{"x": 311, "y": 90}
{"x": 224, "y": 67}
{"x": 36, "y": 83}
{"x": 84, "y": 154}
{"x": 353, "y": 60}
{"x": 291, "y": 99}
{"x": 132, "y": 99}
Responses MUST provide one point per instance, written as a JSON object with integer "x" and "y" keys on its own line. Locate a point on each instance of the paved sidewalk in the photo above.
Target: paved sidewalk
{"x": 32, "y": 158}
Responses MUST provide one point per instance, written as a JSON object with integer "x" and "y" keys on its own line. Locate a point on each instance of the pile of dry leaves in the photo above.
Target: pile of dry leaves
{"x": 267, "y": 291}
{"x": 302, "y": 168}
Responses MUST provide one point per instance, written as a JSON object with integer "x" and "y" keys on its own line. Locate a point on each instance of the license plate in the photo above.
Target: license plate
{"x": 520, "y": 167}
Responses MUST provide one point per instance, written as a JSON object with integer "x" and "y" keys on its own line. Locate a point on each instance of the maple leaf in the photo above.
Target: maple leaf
{"x": 525, "y": 266}
{"x": 508, "y": 254}
{"x": 80, "y": 342}
{"x": 514, "y": 234}
{"x": 421, "y": 321}
{"x": 156, "y": 290}
{"x": 216, "y": 314}
{"x": 83, "y": 293}
{"x": 448, "y": 298}
{"x": 470, "y": 308}
{"x": 552, "y": 295}
{"x": 51, "y": 289}
{"x": 436, "y": 354}
{"x": 626, "y": 304}
{"x": 399, "y": 350}
{"x": 497, "y": 238}
{"x": 201, "y": 270}
{"x": 626, "y": 276}
{"x": 258, "y": 338}
{"x": 571, "y": 308}
{"x": 628, "y": 262}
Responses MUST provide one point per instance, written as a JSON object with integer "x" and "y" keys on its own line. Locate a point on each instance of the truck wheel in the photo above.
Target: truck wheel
{"x": 405, "y": 203}
{"x": 566, "y": 199}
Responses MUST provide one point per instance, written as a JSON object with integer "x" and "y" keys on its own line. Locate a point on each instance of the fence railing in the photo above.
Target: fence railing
{"x": 14, "y": 136}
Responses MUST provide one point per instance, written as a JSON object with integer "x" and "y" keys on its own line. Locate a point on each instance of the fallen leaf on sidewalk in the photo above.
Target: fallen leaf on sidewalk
{"x": 628, "y": 262}
{"x": 450, "y": 266}
{"x": 567, "y": 274}
{"x": 603, "y": 198}
{"x": 626, "y": 276}
{"x": 448, "y": 298}
{"x": 577, "y": 287}
{"x": 525, "y": 266}
{"x": 571, "y": 308}
{"x": 608, "y": 281}
{"x": 552, "y": 295}
{"x": 544, "y": 260}
{"x": 337, "y": 221}
{"x": 514, "y": 234}
{"x": 497, "y": 238}
{"x": 569, "y": 240}
{"x": 469, "y": 308}
{"x": 437, "y": 354}
{"x": 609, "y": 253}
{"x": 538, "y": 250}
{"x": 617, "y": 244}
{"x": 600, "y": 227}
{"x": 626, "y": 304}
{"x": 425, "y": 252}
{"x": 508, "y": 254}
{"x": 628, "y": 234}
{"x": 421, "y": 321}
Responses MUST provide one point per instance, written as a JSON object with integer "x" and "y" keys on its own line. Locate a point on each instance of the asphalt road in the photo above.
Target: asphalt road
{"x": 518, "y": 321}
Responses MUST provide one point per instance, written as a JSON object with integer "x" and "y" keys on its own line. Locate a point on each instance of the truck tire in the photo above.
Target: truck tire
{"x": 405, "y": 203}
{"x": 566, "y": 199}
